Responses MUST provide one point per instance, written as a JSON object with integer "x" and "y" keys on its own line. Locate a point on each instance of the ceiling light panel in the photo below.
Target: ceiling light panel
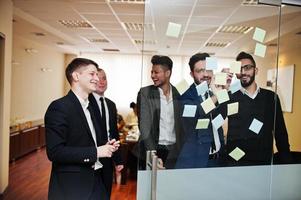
{"x": 135, "y": 26}
{"x": 216, "y": 44}
{"x": 148, "y": 42}
{"x": 97, "y": 40}
{"x": 249, "y": 2}
{"x": 127, "y": 1}
{"x": 75, "y": 24}
{"x": 235, "y": 29}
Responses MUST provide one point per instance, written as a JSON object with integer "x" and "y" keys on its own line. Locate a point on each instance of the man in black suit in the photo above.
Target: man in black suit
{"x": 106, "y": 113}
{"x": 73, "y": 142}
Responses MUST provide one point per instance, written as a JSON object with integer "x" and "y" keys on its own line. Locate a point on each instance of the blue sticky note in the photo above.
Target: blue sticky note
{"x": 255, "y": 126}
{"x": 202, "y": 88}
{"x": 235, "y": 86}
{"x": 211, "y": 63}
{"x": 218, "y": 121}
{"x": 189, "y": 110}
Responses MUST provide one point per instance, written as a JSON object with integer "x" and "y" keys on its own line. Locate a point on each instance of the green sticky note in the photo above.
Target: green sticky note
{"x": 207, "y": 105}
{"x": 222, "y": 96}
{"x": 235, "y": 67}
{"x": 182, "y": 86}
{"x": 260, "y": 50}
{"x": 237, "y": 154}
{"x": 232, "y": 108}
{"x": 202, "y": 124}
{"x": 173, "y": 30}
{"x": 259, "y": 34}
{"x": 220, "y": 78}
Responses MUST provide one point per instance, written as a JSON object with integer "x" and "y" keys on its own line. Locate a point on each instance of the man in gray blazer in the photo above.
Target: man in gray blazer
{"x": 159, "y": 112}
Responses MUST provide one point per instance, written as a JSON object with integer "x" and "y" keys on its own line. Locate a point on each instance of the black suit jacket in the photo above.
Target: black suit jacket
{"x": 71, "y": 148}
{"x": 114, "y": 134}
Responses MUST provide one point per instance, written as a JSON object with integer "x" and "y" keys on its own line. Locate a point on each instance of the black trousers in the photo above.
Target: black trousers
{"x": 99, "y": 192}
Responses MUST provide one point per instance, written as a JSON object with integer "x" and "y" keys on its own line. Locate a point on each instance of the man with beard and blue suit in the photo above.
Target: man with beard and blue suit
{"x": 202, "y": 146}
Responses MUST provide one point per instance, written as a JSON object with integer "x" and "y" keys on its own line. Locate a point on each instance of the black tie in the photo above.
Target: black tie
{"x": 103, "y": 115}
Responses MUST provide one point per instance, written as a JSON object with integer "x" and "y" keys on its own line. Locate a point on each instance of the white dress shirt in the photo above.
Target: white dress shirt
{"x": 167, "y": 134}
{"x": 85, "y": 104}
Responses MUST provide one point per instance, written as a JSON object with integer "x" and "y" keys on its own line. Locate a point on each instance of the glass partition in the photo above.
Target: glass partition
{"x": 214, "y": 116}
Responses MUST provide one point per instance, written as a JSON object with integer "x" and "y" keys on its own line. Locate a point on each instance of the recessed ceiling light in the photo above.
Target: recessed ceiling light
{"x": 150, "y": 42}
{"x": 127, "y": 1}
{"x": 134, "y": 26}
{"x": 111, "y": 50}
{"x": 39, "y": 34}
{"x": 75, "y": 24}
{"x": 98, "y": 40}
{"x": 249, "y": 2}
{"x": 235, "y": 29}
{"x": 217, "y": 44}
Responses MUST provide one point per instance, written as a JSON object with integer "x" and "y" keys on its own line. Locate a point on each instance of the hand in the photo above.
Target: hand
{"x": 160, "y": 164}
{"x": 114, "y": 143}
{"x": 118, "y": 168}
{"x": 105, "y": 151}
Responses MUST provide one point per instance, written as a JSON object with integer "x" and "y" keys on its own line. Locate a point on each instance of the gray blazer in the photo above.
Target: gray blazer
{"x": 148, "y": 104}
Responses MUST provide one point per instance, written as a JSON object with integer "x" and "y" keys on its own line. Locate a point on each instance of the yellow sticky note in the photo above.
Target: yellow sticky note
{"x": 207, "y": 105}
{"x": 182, "y": 86}
{"x": 235, "y": 67}
{"x": 259, "y": 34}
{"x": 260, "y": 50}
{"x": 237, "y": 154}
{"x": 173, "y": 29}
{"x": 232, "y": 108}
{"x": 202, "y": 124}
{"x": 220, "y": 78}
{"x": 222, "y": 96}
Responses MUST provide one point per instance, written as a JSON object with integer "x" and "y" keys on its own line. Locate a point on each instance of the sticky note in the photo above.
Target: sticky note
{"x": 237, "y": 154}
{"x": 173, "y": 29}
{"x": 189, "y": 110}
{"x": 220, "y": 78}
{"x": 235, "y": 86}
{"x": 202, "y": 88}
{"x": 235, "y": 67}
{"x": 259, "y": 34}
{"x": 182, "y": 86}
{"x": 211, "y": 63}
{"x": 202, "y": 124}
{"x": 222, "y": 96}
{"x": 218, "y": 121}
{"x": 255, "y": 126}
{"x": 207, "y": 105}
{"x": 232, "y": 108}
{"x": 260, "y": 50}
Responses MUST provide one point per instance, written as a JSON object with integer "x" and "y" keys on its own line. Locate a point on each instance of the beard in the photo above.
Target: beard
{"x": 245, "y": 83}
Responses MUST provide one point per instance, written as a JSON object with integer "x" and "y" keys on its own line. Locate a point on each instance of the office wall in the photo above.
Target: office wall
{"x": 37, "y": 79}
{"x": 5, "y": 84}
{"x": 293, "y": 119}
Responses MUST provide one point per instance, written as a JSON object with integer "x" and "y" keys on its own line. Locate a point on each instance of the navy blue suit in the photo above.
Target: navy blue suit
{"x": 195, "y": 150}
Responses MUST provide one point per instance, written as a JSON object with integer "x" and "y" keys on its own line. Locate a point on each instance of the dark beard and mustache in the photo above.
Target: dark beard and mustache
{"x": 247, "y": 83}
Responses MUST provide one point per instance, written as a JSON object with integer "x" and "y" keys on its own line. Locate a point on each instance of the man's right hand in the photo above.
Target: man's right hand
{"x": 105, "y": 150}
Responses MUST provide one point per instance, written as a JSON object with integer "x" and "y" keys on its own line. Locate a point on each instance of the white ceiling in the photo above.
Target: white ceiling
{"x": 200, "y": 21}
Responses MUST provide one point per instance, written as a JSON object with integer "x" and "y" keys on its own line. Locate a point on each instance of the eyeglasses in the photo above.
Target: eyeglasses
{"x": 247, "y": 67}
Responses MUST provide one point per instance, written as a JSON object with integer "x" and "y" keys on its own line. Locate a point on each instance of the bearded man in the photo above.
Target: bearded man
{"x": 259, "y": 120}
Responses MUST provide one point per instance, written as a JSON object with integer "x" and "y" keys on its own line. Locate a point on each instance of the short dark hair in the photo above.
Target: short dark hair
{"x": 164, "y": 61}
{"x": 133, "y": 105}
{"x": 196, "y": 58}
{"x": 244, "y": 55}
{"x": 76, "y": 64}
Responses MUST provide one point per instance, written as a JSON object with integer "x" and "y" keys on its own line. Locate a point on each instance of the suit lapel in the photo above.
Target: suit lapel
{"x": 80, "y": 112}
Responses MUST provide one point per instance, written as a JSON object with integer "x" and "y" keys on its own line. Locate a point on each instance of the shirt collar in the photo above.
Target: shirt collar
{"x": 84, "y": 103}
{"x": 245, "y": 92}
{"x": 97, "y": 96}
{"x": 162, "y": 93}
